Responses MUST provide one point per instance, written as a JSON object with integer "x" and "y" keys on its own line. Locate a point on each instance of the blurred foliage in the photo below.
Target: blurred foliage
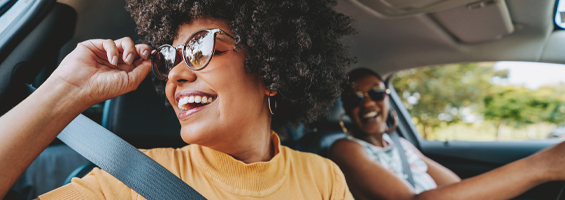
{"x": 440, "y": 96}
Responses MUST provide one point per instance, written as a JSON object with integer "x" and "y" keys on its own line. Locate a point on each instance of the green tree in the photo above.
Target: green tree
{"x": 510, "y": 104}
{"x": 436, "y": 95}
{"x": 521, "y": 106}
{"x": 556, "y": 95}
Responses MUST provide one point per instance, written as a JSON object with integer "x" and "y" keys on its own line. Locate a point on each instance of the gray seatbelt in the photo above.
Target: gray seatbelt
{"x": 405, "y": 166}
{"x": 124, "y": 161}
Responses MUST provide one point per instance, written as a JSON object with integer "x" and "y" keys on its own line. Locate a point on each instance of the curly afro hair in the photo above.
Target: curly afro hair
{"x": 293, "y": 45}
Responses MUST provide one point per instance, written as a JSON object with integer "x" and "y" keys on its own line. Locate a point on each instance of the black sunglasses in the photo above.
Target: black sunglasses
{"x": 196, "y": 52}
{"x": 353, "y": 100}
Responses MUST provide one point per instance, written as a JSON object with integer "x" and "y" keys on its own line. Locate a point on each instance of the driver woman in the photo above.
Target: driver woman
{"x": 231, "y": 69}
{"x": 373, "y": 170}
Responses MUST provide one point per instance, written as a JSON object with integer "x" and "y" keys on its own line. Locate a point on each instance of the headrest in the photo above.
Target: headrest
{"x": 329, "y": 131}
{"x": 141, "y": 118}
{"x": 335, "y": 112}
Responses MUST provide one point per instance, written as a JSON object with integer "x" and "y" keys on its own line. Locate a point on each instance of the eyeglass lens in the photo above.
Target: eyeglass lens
{"x": 165, "y": 60}
{"x": 376, "y": 94}
{"x": 198, "y": 51}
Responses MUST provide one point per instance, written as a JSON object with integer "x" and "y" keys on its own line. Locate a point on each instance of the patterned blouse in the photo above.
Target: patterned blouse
{"x": 388, "y": 158}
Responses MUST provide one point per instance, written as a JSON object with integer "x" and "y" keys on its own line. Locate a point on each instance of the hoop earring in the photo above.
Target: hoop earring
{"x": 395, "y": 124}
{"x": 269, "y": 102}
{"x": 343, "y": 126}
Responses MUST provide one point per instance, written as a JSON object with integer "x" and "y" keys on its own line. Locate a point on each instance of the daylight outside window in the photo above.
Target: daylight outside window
{"x": 560, "y": 15}
{"x": 485, "y": 101}
{"x": 12, "y": 12}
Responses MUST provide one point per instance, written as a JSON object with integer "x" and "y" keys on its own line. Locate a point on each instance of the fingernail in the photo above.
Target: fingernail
{"x": 129, "y": 59}
{"x": 145, "y": 54}
{"x": 114, "y": 60}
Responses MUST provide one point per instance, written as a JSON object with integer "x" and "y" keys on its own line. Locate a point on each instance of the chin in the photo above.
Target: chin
{"x": 193, "y": 135}
{"x": 374, "y": 131}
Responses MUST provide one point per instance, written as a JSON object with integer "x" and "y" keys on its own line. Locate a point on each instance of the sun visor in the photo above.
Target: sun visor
{"x": 477, "y": 22}
{"x": 402, "y": 8}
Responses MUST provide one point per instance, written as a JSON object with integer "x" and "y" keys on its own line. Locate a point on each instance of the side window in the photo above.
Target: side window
{"x": 10, "y": 10}
{"x": 485, "y": 101}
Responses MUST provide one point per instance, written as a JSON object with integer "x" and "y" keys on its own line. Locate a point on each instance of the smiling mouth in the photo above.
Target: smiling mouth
{"x": 188, "y": 102}
{"x": 370, "y": 115}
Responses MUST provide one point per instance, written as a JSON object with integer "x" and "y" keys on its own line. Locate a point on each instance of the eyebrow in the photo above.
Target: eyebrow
{"x": 222, "y": 38}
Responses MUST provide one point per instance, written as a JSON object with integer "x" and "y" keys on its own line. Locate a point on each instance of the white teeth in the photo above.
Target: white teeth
{"x": 184, "y": 101}
{"x": 370, "y": 114}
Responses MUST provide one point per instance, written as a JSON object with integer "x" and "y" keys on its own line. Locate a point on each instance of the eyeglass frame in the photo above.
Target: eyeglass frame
{"x": 182, "y": 47}
{"x": 366, "y": 94}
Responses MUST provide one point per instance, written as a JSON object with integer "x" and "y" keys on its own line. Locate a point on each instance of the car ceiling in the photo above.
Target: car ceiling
{"x": 389, "y": 45}
{"x": 386, "y": 44}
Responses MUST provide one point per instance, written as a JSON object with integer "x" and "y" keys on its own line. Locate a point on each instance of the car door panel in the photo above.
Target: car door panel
{"x": 481, "y": 154}
{"x": 37, "y": 52}
{"x": 468, "y": 159}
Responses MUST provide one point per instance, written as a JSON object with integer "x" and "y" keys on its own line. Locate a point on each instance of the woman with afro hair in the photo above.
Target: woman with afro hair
{"x": 232, "y": 70}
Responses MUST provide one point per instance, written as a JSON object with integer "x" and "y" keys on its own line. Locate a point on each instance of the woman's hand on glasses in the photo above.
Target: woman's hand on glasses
{"x": 94, "y": 71}
{"x": 104, "y": 69}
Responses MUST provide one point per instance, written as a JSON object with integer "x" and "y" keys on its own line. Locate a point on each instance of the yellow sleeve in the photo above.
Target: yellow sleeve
{"x": 63, "y": 192}
{"x": 340, "y": 189}
{"x": 98, "y": 184}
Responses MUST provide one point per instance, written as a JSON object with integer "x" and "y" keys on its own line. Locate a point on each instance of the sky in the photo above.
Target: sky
{"x": 531, "y": 74}
{"x": 560, "y": 8}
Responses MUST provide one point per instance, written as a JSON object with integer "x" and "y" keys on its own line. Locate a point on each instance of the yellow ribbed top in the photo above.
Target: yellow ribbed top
{"x": 288, "y": 175}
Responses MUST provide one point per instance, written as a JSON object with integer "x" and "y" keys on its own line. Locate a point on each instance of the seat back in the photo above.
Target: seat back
{"x": 141, "y": 118}
{"x": 325, "y": 132}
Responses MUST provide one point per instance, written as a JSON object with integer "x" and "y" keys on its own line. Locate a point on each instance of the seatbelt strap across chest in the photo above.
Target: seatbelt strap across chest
{"x": 123, "y": 161}
{"x": 402, "y": 154}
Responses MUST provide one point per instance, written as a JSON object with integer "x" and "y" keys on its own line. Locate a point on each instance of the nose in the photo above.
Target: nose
{"x": 181, "y": 74}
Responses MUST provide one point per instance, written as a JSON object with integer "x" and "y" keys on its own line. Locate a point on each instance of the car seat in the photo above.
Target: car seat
{"x": 30, "y": 61}
{"x": 324, "y": 133}
{"x": 141, "y": 118}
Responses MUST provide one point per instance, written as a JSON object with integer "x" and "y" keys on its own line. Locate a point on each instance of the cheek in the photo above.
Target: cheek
{"x": 233, "y": 80}
{"x": 242, "y": 91}
{"x": 384, "y": 105}
{"x": 170, "y": 92}
{"x": 228, "y": 70}
{"x": 354, "y": 116}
